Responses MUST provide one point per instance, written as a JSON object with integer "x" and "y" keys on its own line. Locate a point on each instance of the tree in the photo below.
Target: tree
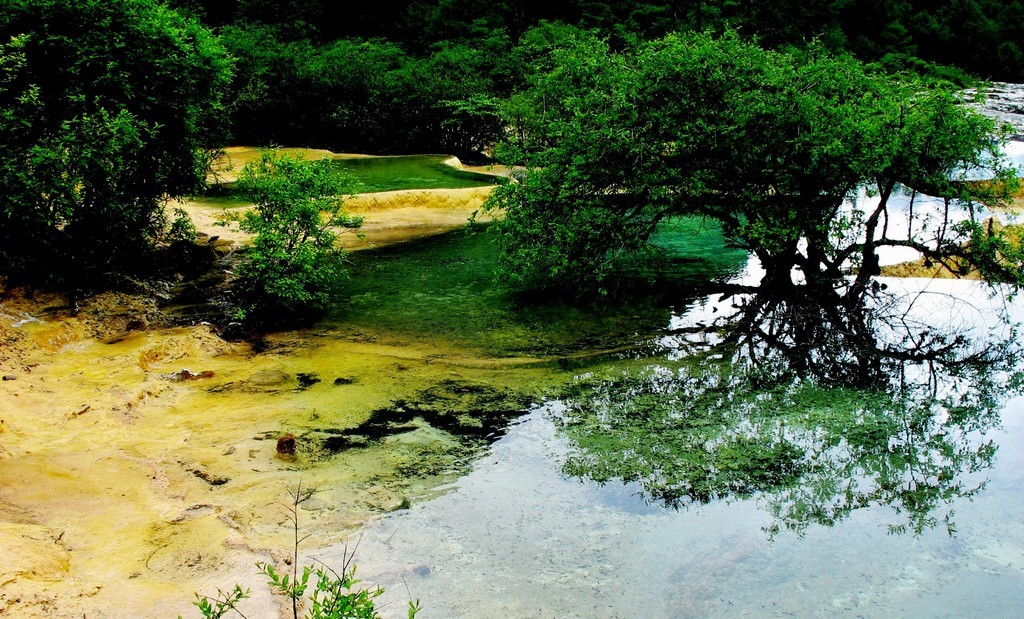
{"x": 293, "y": 266}
{"x": 106, "y": 110}
{"x": 772, "y": 145}
{"x": 265, "y": 99}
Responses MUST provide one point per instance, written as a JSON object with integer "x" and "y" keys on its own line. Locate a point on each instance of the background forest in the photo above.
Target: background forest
{"x": 427, "y": 75}
{"x": 107, "y": 109}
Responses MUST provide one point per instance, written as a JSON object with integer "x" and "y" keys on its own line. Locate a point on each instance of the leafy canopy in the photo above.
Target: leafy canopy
{"x": 772, "y": 145}
{"x": 106, "y": 110}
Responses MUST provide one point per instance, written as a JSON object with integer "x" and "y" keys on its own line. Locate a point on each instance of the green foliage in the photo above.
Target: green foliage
{"x": 334, "y": 596}
{"x": 181, "y": 230}
{"x": 106, "y": 110}
{"x": 221, "y": 604}
{"x": 812, "y": 454}
{"x": 360, "y": 96}
{"x": 293, "y": 264}
{"x": 398, "y": 76}
{"x": 771, "y": 145}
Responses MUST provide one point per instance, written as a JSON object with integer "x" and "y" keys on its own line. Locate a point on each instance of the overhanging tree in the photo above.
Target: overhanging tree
{"x": 107, "y": 109}
{"x": 772, "y": 145}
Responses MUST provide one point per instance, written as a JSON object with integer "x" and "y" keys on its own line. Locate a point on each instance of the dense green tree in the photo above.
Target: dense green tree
{"x": 106, "y": 110}
{"x": 265, "y": 99}
{"x": 771, "y": 145}
{"x": 293, "y": 266}
{"x": 451, "y": 91}
{"x": 211, "y": 12}
{"x": 424, "y": 75}
{"x": 361, "y": 95}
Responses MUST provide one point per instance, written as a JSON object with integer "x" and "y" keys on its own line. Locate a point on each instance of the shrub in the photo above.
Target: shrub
{"x": 107, "y": 109}
{"x": 293, "y": 265}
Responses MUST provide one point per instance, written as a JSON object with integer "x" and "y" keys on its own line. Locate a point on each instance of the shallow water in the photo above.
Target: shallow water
{"x": 437, "y": 391}
{"x": 441, "y": 291}
{"x": 126, "y": 486}
{"x": 452, "y": 401}
{"x": 519, "y": 537}
{"x": 411, "y": 172}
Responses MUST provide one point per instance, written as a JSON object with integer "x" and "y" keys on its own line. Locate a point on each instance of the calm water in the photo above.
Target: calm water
{"x": 411, "y": 172}
{"x": 519, "y": 537}
{"x": 442, "y": 289}
{"x": 627, "y": 483}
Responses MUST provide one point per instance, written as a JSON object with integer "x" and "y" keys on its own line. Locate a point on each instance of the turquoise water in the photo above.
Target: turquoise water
{"x": 443, "y": 288}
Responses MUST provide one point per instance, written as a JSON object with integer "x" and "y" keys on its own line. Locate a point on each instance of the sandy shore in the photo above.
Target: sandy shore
{"x": 125, "y": 489}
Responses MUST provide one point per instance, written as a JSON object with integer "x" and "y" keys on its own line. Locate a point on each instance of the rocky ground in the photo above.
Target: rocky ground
{"x": 138, "y": 451}
{"x": 1005, "y": 102}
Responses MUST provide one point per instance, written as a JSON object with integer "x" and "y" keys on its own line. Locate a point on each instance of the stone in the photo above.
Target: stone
{"x": 267, "y": 378}
{"x": 286, "y": 445}
{"x": 307, "y": 379}
{"x": 185, "y": 375}
{"x": 315, "y": 505}
{"x": 210, "y": 478}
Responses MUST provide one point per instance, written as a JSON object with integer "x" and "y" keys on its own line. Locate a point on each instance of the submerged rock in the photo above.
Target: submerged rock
{"x": 380, "y": 498}
{"x": 434, "y": 433}
{"x": 264, "y": 381}
{"x": 307, "y": 379}
{"x": 315, "y": 505}
{"x": 210, "y": 478}
{"x": 472, "y": 413}
{"x": 269, "y": 378}
{"x": 186, "y": 375}
{"x": 286, "y": 445}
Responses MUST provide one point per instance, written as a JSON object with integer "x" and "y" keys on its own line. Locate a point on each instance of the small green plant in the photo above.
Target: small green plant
{"x": 181, "y": 229}
{"x": 293, "y": 264}
{"x": 334, "y": 595}
{"x": 224, "y": 602}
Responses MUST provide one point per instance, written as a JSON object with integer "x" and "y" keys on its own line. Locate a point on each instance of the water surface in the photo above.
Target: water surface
{"x": 525, "y": 535}
{"x": 411, "y": 172}
{"x": 518, "y": 538}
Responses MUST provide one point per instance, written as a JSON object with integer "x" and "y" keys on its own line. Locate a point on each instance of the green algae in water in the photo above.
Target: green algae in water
{"x": 443, "y": 289}
{"x": 411, "y": 172}
{"x": 688, "y": 250}
{"x": 461, "y": 357}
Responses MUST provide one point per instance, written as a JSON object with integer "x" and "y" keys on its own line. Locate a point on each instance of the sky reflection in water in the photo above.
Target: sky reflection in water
{"x": 516, "y": 537}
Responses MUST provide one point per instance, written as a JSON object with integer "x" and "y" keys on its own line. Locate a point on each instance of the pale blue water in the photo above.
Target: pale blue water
{"x": 516, "y": 537}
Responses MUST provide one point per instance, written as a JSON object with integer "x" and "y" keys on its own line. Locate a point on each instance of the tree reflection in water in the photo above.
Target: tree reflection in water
{"x": 816, "y": 409}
